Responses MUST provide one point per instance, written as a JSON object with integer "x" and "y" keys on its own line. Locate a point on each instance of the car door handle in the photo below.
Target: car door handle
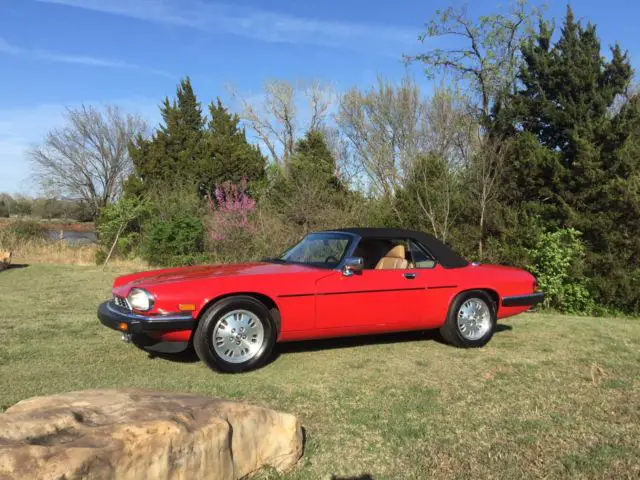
{"x": 409, "y": 276}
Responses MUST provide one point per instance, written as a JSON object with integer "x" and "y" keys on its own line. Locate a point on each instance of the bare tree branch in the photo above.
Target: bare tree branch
{"x": 278, "y": 119}
{"x": 88, "y": 158}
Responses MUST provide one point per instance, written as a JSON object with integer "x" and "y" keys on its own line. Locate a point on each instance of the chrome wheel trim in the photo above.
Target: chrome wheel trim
{"x": 474, "y": 319}
{"x": 238, "y": 336}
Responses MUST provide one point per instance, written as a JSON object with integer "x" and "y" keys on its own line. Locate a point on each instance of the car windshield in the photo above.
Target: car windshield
{"x": 324, "y": 250}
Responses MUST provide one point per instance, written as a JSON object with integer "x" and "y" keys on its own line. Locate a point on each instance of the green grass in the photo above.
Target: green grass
{"x": 550, "y": 396}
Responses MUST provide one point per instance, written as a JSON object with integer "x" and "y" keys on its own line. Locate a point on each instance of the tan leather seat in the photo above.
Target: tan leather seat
{"x": 394, "y": 259}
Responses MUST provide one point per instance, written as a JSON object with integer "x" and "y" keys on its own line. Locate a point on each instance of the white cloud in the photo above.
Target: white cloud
{"x": 7, "y": 48}
{"x": 14, "y": 50}
{"x": 259, "y": 24}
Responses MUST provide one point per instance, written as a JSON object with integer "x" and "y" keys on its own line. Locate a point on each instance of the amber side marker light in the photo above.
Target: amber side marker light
{"x": 123, "y": 326}
{"x": 186, "y": 307}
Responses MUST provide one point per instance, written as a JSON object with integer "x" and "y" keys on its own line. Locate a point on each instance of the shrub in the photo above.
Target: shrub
{"x": 556, "y": 261}
{"x": 26, "y": 230}
{"x": 172, "y": 229}
{"x": 174, "y": 241}
{"x": 229, "y": 211}
{"x": 123, "y": 218}
{"x": 230, "y": 223}
{"x": 4, "y": 209}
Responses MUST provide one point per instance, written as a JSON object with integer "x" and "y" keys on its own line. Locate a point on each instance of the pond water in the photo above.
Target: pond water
{"x": 73, "y": 237}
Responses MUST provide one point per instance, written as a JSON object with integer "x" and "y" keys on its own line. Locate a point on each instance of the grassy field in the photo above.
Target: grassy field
{"x": 550, "y": 396}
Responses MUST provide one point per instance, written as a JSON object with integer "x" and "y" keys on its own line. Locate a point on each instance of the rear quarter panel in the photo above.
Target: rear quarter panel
{"x": 443, "y": 285}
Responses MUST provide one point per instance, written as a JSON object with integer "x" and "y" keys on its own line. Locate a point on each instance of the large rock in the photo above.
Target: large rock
{"x": 137, "y": 434}
{"x": 5, "y": 260}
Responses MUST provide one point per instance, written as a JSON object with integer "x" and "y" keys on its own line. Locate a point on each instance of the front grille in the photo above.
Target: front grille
{"x": 121, "y": 302}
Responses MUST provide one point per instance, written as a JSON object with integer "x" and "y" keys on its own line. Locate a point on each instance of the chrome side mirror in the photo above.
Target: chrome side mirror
{"x": 352, "y": 265}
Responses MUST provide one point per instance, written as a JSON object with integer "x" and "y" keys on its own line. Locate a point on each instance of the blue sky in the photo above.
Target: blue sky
{"x": 57, "y": 53}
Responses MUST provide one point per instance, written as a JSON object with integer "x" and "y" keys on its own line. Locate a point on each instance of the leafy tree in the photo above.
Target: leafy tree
{"x": 431, "y": 198}
{"x": 556, "y": 261}
{"x": 485, "y": 56}
{"x": 7, "y": 205}
{"x": 119, "y": 228}
{"x": 312, "y": 156}
{"x": 188, "y": 149}
{"x": 309, "y": 186}
{"x": 23, "y": 205}
{"x": 485, "y": 52}
{"x": 175, "y": 241}
{"x": 386, "y": 128}
{"x": 572, "y": 160}
{"x": 175, "y": 150}
{"x": 228, "y": 157}
{"x": 173, "y": 231}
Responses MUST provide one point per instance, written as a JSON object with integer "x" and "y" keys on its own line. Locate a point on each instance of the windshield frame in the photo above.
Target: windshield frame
{"x": 351, "y": 238}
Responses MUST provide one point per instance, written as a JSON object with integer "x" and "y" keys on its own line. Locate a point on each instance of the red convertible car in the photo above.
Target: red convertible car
{"x": 354, "y": 281}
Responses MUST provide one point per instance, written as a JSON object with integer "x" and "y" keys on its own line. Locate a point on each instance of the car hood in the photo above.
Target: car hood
{"x": 208, "y": 271}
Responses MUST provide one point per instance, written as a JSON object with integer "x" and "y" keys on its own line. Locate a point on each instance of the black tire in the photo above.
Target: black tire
{"x": 451, "y": 332}
{"x": 203, "y": 337}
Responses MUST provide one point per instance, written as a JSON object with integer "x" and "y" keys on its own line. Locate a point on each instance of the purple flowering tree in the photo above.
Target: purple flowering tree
{"x": 230, "y": 209}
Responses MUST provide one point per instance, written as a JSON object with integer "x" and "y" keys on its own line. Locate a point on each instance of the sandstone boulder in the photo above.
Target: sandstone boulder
{"x": 5, "y": 260}
{"x": 140, "y": 434}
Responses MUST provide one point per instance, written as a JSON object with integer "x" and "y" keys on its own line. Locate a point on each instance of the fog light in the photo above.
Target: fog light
{"x": 123, "y": 326}
{"x": 127, "y": 337}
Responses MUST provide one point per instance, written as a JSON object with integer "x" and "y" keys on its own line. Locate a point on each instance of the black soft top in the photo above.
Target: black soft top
{"x": 445, "y": 256}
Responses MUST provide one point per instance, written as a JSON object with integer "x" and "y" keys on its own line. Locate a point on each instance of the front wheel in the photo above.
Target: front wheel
{"x": 235, "y": 334}
{"x": 471, "y": 320}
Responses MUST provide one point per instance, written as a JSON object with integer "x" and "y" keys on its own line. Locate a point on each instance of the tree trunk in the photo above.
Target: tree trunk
{"x": 480, "y": 246}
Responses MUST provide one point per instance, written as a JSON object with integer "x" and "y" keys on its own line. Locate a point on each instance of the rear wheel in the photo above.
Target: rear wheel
{"x": 235, "y": 334}
{"x": 471, "y": 320}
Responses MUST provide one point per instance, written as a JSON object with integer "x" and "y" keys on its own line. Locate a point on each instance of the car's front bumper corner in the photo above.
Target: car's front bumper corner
{"x": 123, "y": 320}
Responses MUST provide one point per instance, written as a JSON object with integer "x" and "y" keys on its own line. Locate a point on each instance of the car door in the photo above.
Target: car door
{"x": 391, "y": 299}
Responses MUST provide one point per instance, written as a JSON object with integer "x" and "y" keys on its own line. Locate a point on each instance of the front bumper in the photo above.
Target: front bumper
{"x": 114, "y": 317}
{"x": 523, "y": 300}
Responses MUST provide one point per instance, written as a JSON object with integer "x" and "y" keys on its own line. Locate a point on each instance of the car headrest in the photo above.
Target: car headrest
{"x": 396, "y": 252}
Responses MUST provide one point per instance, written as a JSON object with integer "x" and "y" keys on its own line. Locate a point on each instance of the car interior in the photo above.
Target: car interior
{"x": 392, "y": 254}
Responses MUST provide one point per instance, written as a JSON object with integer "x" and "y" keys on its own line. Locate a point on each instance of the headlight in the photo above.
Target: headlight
{"x": 140, "y": 299}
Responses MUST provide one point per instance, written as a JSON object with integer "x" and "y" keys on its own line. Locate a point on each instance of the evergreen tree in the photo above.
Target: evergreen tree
{"x": 567, "y": 162}
{"x": 175, "y": 150}
{"x": 309, "y": 186}
{"x": 312, "y": 156}
{"x": 228, "y": 156}
{"x": 187, "y": 149}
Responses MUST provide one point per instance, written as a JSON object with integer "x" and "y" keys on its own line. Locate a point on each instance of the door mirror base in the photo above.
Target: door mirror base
{"x": 352, "y": 265}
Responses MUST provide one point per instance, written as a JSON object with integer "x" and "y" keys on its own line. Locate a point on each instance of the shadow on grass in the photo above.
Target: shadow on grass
{"x": 179, "y": 352}
{"x": 365, "y": 476}
{"x": 16, "y": 265}
{"x": 380, "y": 339}
{"x": 172, "y": 352}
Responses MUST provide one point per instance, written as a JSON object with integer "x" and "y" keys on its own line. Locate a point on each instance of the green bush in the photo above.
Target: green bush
{"x": 123, "y": 218}
{"x": 556, "y": 261}
{"x": 174, "y": 241}
{"x": 19, "y": 233}
{"x": 26, "y": 230}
